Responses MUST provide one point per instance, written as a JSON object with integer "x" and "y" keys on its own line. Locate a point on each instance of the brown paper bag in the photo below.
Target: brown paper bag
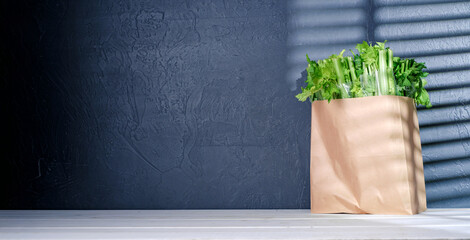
{"x": 366, "y": 156}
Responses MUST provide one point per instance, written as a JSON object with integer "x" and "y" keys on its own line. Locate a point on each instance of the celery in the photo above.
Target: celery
{"x": 390, "y": 76}
{"x": 382, "y": 74}
{"x": 372, "y": 72}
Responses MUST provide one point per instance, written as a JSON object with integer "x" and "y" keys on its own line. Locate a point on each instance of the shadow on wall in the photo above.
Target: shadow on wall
{"x": 431, "y": 31}
{"x": 321, "y": 28}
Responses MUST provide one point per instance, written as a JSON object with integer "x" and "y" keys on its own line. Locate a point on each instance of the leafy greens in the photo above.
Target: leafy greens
{"x": 372, "y": 72}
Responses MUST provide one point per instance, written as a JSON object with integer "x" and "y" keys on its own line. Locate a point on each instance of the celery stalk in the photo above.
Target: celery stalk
{"x": 382, "y": 74}
{"x": 390, "y": 76}
{"x": 368, "y": 82}
{"x": 356, "y": 83}
{"x": 340, "y": 76}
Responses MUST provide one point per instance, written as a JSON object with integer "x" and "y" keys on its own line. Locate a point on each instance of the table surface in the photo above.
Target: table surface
{"x": 230, "y": 224}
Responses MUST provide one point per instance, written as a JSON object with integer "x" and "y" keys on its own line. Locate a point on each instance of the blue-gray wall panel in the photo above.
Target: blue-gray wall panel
{"x": 190, "y": 104}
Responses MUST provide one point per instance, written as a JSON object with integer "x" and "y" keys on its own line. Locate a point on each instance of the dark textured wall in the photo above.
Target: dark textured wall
{"x": 189, "y": 104}
{"x": 160, "y": 104}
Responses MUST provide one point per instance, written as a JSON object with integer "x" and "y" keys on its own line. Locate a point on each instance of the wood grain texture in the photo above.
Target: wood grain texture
{"x": 231, "y": 224}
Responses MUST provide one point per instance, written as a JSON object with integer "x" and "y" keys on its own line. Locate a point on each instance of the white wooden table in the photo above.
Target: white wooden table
{"x": 231, "y": 224}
